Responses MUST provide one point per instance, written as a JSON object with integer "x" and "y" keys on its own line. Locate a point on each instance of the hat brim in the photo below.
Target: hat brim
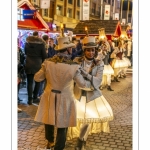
{"x": 83, "y": 47}
{"x": 67, "y": 46}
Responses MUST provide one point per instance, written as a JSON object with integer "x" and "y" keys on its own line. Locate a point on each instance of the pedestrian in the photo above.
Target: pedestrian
{"x": 111, "y": 50}
{"x": 129, "y": 49}
{"x": 19, "y": 78}
{"x": 21, "y": 72}
{"x": 42, "y": 83}
{"x": 35, "y": 55}
{"x": 126, "y": 59}
{"x": 51, "y": 49}
{"x": 108, "y": 70}
{"x": 46, "y": 40}
{"x": 93, "y": 110}
{"x": 57, "y": 105}
{"x": 76, "y": 51}
{"x": 118, "y": 64}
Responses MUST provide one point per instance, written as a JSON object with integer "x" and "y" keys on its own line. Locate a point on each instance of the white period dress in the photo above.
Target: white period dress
{"x": 97, "y": 112}
{"x": 127, "y": 61}
{"x": 119, "y": 62}
{"x": 107, "y": 68}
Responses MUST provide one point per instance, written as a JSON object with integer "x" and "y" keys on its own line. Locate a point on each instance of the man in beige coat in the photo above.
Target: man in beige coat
{"x": 57, "y": 105}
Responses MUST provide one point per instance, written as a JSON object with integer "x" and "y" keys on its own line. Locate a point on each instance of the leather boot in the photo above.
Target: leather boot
{"x": 124, "y": 76}
{"x": 101, "y": 87}
{"x": 30, "y": 101}
{"x": 116, "y": 79}
{"x": 80, "y": 144}
{"x": 50, "y": 145}
{"x": 109, "y": 88}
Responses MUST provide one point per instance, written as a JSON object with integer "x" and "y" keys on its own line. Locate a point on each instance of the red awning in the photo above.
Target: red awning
{"x": 31, "y": 24}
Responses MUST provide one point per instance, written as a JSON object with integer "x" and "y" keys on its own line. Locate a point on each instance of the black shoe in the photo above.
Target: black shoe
{"x": 113, "y": 80}
{"x": 109, "y": 88}
{"x": 80, "y": 144}
{"x": 119, "y": 76}
{"x": 116, "y": 79}
{"x": 101, "y": 87}
{"x": 124, "y": 76}
{"x": 29, "y": 102}
{"x": 36, "y": 100}
{"x": 19, "y": 99}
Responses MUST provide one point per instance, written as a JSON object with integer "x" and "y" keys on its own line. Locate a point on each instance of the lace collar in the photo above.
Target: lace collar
{"x": 88, "y": 61}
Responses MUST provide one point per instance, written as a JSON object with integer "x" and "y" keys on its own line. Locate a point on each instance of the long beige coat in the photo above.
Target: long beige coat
{"x": 59, "y": 109}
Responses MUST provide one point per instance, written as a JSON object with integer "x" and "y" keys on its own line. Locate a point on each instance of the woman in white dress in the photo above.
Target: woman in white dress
{"x": 118, "y": 63}
{"x": 108, "y": 71}
{"x": 93, "y": 110}
{"x": 126, "y": 59}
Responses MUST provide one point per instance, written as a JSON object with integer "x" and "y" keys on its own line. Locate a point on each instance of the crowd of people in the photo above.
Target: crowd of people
{"x": 66, "y": 80}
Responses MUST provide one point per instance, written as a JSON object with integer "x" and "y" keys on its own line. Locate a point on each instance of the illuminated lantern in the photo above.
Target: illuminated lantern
{"x": 102, "y": 35}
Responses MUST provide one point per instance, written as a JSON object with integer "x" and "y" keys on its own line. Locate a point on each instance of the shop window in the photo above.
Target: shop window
{"x": 34, "y": 1}
{"x": 78, "y": 3}
{"x": 93, "y": 8}
{"x": 69, "y": 13}
{"x": 109, "y": 1}
{"x": 20, "y": 14}
{"x": 70, "y": 1}
{"x": 78, "y": 15}
{"x": 118, "y": 4}
{"x": 112, "y": 2}
{"x": 59, "y": 10}
{"x": 45, "y": 13}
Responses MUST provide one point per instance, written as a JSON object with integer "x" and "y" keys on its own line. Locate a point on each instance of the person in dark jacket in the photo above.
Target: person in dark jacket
{"x": 35, "y": 55}
{"x": 51, "y": 50}
{"x": 42, "y": 83}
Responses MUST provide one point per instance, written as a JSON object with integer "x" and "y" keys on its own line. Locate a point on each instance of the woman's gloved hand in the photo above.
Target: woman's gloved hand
{"x": 85, "y": 74}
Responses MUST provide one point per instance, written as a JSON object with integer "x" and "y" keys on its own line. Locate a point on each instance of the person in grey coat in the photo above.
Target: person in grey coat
{"x": 57, "y": 106}
{"x": 35, "y": 55}
{"x": 93, "y": 110}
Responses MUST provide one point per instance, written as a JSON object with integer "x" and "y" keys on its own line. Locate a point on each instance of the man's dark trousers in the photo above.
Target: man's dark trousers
{"x": 60, "y": 137}
{"x": 30, "y": 80}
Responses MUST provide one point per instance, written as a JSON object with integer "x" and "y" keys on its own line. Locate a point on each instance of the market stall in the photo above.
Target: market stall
{"x": 112, "y": 28}
{"x": 32, "y": 23}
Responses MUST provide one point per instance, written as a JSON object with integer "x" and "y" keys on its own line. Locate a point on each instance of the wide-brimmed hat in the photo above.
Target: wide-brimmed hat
{"x": 64, "y": 42}
{"x": 89, "y": 42}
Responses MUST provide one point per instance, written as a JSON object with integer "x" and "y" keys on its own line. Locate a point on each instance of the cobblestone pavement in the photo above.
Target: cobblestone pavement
{"x": 31, "y": 133}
